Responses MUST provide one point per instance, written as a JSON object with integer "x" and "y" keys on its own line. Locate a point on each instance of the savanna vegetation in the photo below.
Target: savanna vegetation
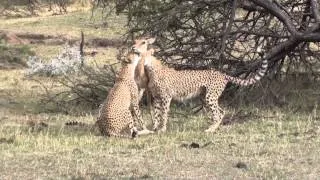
{"x": 270, "y": 131}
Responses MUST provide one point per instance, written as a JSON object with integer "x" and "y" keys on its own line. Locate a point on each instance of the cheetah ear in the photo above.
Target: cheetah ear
{"x": 151, "y": 40}
{"x": 126, "y": 61}
{"x": 128, "y": 58}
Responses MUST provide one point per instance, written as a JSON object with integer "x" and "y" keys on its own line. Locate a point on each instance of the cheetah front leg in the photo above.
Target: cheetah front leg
{"x": 138, "y": 118}
{"x": 149, "y": 101}
{"x": 216, "y": 110}
{"x": 135, "y": 98}
{"x": 165, "y": 108}
{"x": 137, "y": 114}
{"x": 150, "y": 104}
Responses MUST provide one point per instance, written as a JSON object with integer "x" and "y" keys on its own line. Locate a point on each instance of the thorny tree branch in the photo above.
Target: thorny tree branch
{"x": 194, "y": 33}
{"x": 275, "y": 10}
{"x": 228, "y": 28}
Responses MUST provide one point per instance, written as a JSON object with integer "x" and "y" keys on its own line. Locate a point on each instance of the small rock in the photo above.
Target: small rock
{"x": 241, "y": 165}
{"x": 194, "y": 145}
{"x": 146, "y": 176}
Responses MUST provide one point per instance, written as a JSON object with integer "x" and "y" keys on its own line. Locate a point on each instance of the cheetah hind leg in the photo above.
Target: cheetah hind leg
{"x": 119, "y": 135}
{"x": 217, "y": 119}
{"x": 217, "y": 114}
{"x": 156, "y": 103}
{"x": 144, "y": 132}
{"x": 134, "y": 132}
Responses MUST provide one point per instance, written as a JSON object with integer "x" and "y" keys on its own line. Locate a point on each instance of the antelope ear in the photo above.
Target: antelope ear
{"x": 151, "y": 40}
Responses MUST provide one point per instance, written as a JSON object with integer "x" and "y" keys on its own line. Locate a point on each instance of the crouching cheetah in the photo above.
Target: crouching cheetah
{"x": 167, "y": 83}
{"x": 115, "y": 117}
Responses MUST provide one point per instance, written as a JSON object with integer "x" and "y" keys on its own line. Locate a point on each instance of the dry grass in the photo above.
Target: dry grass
{"x": 68, "y": 25}
{"x": 35, "y": 144}
{"x": 279, "y": 148}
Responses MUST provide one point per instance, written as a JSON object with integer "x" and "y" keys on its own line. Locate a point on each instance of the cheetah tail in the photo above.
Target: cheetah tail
{"x": 85, "y": 126}
{"x": 75, "y": 123}
{"x": 246, "y": 82}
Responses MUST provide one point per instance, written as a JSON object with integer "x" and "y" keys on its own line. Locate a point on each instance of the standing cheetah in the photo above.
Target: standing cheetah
{"x": 115, "y": 117}
{"x": 167, "y": 83}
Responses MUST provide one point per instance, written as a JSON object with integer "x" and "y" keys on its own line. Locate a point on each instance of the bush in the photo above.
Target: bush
{"x": 79, "y": 82}
{"x": 86, "y": 88}
{"x": 68, "y": 61}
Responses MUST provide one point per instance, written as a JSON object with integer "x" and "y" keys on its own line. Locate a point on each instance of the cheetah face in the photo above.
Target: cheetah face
{"x": 141, "y": 45}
